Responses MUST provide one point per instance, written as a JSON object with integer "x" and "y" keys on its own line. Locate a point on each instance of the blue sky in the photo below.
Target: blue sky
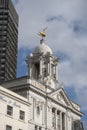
{"x": 66, "y": 35}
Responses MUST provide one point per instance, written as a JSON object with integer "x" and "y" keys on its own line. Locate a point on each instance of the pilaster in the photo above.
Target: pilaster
{"x": 41, "y": 67}
{"x": 50, "y": 67}
{"x": 56, "y": 117}
{"x": 30, "y": 69}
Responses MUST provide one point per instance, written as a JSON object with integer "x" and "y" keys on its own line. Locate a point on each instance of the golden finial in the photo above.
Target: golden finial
{"x": 43, "y": 33}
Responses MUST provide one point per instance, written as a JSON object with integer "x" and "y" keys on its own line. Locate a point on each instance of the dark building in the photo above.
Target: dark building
{"x": 8, "y": 40}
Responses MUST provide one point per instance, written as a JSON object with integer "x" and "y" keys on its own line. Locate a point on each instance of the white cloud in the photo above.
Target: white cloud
{"x": 33, "y": 17}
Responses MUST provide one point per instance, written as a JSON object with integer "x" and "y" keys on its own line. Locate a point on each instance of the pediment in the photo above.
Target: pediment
{"x": 60, "y": 96}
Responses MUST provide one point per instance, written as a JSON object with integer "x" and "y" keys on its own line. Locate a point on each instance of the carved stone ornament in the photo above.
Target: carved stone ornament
{"x": 59, "y": 97}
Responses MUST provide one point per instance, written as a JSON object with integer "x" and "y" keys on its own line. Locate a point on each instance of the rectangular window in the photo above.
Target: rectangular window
{"x": 36, "y": 127}
{"x": 40, "y": 128}
{"x": 22, "y": 115}
{"x": 9, "y": 110}
{"x": 8, "y": 127}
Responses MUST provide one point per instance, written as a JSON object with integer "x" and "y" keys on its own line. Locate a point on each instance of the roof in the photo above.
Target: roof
{"x": 42, "y": 48}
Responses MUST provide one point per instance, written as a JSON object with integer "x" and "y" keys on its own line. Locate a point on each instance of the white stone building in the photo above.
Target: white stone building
{"x": 14, "y": 111}
{"x": 50, "y": 108}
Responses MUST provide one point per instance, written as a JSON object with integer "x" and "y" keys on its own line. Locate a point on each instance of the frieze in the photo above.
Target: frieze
{"x": 2, "y": 98}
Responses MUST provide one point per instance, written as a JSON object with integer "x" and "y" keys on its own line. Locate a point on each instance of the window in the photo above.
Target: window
{"x": 8, "y": 127}
{"x": 38, "y": 110}
{"x": 37, "y": 70}
{"x": 40, "y": 128}
{"x": 36, "y": 127}
{"x": 9, "y": 110}
{"x": 45, "y": 72}
{"x": 22, "y": 115}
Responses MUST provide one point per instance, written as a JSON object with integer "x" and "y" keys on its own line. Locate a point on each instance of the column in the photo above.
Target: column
{"x": 48, "y": 70}
{"x": 50, "y": 67}
{"x": 55, "y": 71}
{"x": 40, "y": 73}
{"x": 65, "y": 121}
{"x": 40, "y": 67}
{"x": 33, "y": 108}
{"x": 56, "y": 117}
{"x": 43, "y": 114}
{"x": 60, "y": 120}
{"x": 30, "y": 69}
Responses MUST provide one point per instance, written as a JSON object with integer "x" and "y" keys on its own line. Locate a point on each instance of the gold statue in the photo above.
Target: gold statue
{"x": 43, "y": 33}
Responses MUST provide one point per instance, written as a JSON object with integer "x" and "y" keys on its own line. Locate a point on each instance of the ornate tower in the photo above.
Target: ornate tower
{"x": 42, "y": 65}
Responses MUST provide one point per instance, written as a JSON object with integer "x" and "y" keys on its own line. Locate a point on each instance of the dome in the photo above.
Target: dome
{"x": 42, "y": 48}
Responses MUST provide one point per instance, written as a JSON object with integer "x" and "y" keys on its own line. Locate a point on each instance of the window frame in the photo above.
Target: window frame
{"x": 9, "y": 127}
{"x": 40, "y": 128}
{"x": 22, "y": 115}
{"x": 38, "y": 110}
{"x": 9, "y": 110}
{"x": 36, "y": 127}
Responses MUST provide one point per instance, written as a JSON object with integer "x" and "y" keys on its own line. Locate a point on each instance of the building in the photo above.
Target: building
{"x": 8, "y": 40}
{"x": 50, "y": 108}
{"x": 14, "y": 111}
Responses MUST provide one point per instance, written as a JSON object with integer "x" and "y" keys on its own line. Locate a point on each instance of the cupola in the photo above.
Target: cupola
{"x": 42, "y": 64}
{"x": 42, "y": 48}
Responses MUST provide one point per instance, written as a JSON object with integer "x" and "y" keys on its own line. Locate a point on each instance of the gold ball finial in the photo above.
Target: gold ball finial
{"x": 43, "y": 33}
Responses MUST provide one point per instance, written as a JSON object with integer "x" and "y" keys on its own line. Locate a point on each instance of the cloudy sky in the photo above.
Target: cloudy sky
{"x": 66, "y": 35}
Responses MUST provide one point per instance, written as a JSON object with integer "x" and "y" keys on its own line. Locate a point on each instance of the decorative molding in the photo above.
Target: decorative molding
{"x": 2, "y": 98}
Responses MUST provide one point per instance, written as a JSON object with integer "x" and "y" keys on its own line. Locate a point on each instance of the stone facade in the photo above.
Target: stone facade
{"x": 50, "y": 108}
{"x": 14, "y": 111}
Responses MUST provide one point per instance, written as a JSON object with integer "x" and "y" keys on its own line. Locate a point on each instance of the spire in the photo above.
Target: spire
{"x": 42, "y": 41}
